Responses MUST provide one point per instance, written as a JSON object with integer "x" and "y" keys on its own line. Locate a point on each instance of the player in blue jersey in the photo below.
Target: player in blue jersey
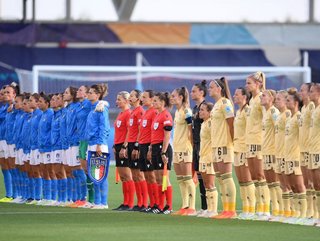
{"x": 34, "y": 146}
{"x": 44, "y": 140}
{"x": 96, "y": 132}
{"x": 8, "y": 164}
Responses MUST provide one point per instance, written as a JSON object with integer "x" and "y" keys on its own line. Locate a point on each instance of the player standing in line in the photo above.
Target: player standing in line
{"x": 206, "y": 162}
{"x": 314, "y": 150}
{"x": 222, "y": 133}
{"x": 8, "y": 164}
{"x": 65, "y": 146}
{"x": 3, "y": 112}
{"x": 34, "y": 153}
{"x": 198, "y": 94}
{"x": 120, "y": 151}
{"x": 26, "y": 146}
{"x": 72, "y": 152}
{"x": 80, "y": 178}
{"x": 61, "y": 196}
{"x": 18, "y": 174}
{"x": 270, "y": 115}
{"x": 255, "y": 83}
{"x": 292, "y": 158}
{"x": 182, "y": 146}
{"x": 241, "y": 98}
{"x": 96, "y": 132}
{"x": 133, "y": 150}
{"x": 146, "y": 166}
{"x": 82, "y": 112}
{"x": 45, "y": 148}
{"x": 160, "y": 150}
{"x": 304, "y": 141}
{"x": 284, "y": 198}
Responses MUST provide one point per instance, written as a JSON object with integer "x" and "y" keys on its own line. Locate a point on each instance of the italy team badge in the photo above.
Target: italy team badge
{"x": 98, "y": 166}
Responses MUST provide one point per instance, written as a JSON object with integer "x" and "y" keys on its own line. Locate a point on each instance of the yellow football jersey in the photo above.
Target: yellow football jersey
{"x": 280, "y": 127}
{"x": 314, "y": 144}
{"x": 220, "y": 134}
{"x": 205, "y": 142}
{"x": 291, "y": 143}
{"x": 254, "y": 122}
{"x": 239, "y": 141}
{"x": 268, "y": 130}
{"x": 304, "y": 126}
{"x": 181, "y": 141}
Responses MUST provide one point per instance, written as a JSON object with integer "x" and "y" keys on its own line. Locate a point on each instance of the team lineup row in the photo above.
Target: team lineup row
{"x": 43, "y": 144}
{"x": 272, "y": 143}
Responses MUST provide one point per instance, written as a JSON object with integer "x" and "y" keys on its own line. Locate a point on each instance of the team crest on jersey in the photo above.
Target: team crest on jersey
{"x": 155, "y": 125}
{"x": 144, "y": 123}
{"x": 130, "y": 122}
{"x": 98, "y": 166}
{"x": 118, "y": 123}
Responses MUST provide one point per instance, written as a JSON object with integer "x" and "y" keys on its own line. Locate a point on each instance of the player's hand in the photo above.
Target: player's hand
{"x": 135, "y": 155}
{"x": 98, "y": 150}
{"x": 164, "y": 159}
{"x": 149, "y": 154}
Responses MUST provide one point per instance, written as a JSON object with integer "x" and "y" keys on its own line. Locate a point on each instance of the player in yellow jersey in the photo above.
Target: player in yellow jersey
{"x": 255, "y": 83}
{"x": 222, "y": 116}
{"x": 206, "y": 162}
{"x": 270, "y": 115}
{"x": 247, "y": 191}
{"x": 182, "y": 150}
{"x": 292, "y": 158}
{"x": 304, "y": 127}
{"x": 314, "y": 149}
{"x": 284, "y": 191}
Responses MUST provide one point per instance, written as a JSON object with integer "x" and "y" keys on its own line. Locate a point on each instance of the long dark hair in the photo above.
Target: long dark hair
{"x": 202, "y": 87}
{"x": 246, "y": 93}
{"x": 164, "y": 96}
{"x": 223, "y": 84}
{"x": 100, "y": 89}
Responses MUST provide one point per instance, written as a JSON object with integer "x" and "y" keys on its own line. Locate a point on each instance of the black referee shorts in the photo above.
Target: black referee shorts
{"x": 157, "y": 159}
{"x": 133, "y": 164}
{"x": 144, "y": 163}
{"x": 120, "y": 162}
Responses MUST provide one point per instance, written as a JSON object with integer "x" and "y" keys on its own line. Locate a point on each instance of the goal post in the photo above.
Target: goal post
{"x": 137, "y": 73}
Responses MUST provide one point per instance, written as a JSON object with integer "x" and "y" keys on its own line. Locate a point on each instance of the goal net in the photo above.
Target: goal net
{"x": 55, "y": 79}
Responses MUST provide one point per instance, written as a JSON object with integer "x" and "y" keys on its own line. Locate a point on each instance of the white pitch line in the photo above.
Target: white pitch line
{"x": 55, "y": 212}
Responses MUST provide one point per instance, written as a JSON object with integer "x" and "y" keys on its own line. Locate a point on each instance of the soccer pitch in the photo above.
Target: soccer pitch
{"x": 28, "y": 222}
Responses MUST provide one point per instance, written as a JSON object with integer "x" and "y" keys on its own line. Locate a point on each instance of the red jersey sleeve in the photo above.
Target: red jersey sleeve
{"x": 134, "y": 122}
{"x": 121, "y": 127}
{"x": 146, "y": 125}
{"x": 161, "y": 120}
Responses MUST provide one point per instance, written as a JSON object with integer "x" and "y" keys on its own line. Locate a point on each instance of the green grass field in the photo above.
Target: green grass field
{"x": 26, "y": 222}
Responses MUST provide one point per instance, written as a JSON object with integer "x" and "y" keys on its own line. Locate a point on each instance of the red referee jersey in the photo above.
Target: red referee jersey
{"x": 145, "y": 125}
{"x": 121, "y": 126}
{"x": 134, "y": 123}
{"x": 160, "y": 121}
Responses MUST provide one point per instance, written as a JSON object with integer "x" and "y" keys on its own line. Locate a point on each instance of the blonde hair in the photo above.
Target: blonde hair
{"x": 259, "y": 77}
{"x": 124, "y": 94}
{"x": 271, "y": 93}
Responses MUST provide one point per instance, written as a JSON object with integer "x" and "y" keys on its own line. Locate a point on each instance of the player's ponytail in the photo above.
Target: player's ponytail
{"x": 296, "y": 97}
{"x": 259, "y": 77}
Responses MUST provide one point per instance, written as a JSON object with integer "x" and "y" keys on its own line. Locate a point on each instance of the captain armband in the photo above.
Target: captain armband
{"x": 189, "y": 120}
{"x": 167, "y": 128}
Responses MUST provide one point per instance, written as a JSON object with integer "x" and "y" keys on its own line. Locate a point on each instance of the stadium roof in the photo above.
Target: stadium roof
{"x": 216, "y": 11}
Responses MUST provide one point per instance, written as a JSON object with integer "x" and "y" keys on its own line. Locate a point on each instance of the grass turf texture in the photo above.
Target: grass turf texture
{"x": 28, "y": 222}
